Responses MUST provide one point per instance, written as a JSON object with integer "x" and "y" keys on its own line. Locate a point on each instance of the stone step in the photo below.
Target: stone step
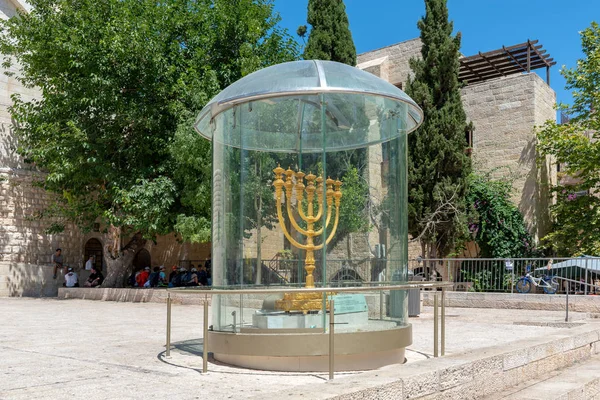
{"x": 581, "y": 381}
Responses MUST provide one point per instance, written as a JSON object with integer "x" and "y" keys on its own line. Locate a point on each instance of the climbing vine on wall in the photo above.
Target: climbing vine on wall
{"x": 495, "y": 222}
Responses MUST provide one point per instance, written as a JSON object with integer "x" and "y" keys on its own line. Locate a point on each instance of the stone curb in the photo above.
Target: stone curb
{"x": 468, "y": 375}
{"x": 550, "y": 302}
{"x": 129, "y": 295}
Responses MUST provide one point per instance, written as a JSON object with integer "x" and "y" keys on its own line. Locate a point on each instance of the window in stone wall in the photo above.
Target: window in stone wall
{"x": 469, "y": 137}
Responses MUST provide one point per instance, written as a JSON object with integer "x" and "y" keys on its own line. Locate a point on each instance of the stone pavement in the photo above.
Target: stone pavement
{"x": 108, "y": 350}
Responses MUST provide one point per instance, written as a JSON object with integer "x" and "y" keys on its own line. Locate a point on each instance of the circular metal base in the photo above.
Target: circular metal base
{"x": 303, "y": 351}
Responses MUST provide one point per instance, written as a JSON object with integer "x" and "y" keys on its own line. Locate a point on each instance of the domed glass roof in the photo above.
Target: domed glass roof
{"x": 287, "y": 98}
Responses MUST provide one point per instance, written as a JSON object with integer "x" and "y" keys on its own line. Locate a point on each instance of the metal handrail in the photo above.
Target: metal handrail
{"x": 401, "y": 286}
{"x": 381, "y": 288}
{"x": 559, "y": 259}
{"x": 574, "y": 281}
{"x": 567, "y": 293}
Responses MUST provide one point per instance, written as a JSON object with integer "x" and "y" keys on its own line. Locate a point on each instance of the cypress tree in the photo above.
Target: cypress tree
{"x": 437, "y": 164}
{"x": 330, "y": 37}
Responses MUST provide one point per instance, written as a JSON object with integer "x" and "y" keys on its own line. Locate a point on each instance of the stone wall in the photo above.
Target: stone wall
{"x": 25, "y": 250}
{"x": 391, "y": 62}
{"x": 505, "y": 112}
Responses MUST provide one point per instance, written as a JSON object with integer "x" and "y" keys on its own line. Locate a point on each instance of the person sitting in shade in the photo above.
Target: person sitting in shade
{"x": 142, "y": 278}
{"x": 203, "y": 276}
{"x": 71, "y": 278}
{"x": 173, "y": 273}
{"x": 179, "y": 279}
{"x": 162, "y": 277}
{"x": 95, "y": 278}
{"x": 153, "y": 278}
{"x": 192, "y": 278}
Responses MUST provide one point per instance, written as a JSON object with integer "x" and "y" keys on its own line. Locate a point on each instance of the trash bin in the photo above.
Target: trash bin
{"x": 396, "y": 298}
{"x": 414, "y": 297}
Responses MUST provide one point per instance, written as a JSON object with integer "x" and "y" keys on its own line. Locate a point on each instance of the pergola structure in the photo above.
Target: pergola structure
{"x": 505, "y": 61}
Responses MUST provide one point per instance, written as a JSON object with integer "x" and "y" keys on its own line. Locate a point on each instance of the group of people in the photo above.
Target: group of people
{"x": 71, "y": 278}
{"x": 178, "y": 277}
{"x": 143, "y": 278}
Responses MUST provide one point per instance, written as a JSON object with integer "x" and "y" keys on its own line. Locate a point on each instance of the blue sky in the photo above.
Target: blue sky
{"x": 485, "y": 25}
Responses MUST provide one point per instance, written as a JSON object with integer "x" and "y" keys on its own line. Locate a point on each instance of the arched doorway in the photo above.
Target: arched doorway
{"x": 93, "y": 247}
{"x": 346, "y": 277}
{"x": 142, "y": 259}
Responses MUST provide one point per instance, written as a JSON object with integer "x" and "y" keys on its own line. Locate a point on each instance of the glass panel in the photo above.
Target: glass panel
{"x": 293, "y": 123}
{"x": 282, "y": 78}
{"x": 260, "y": 241}
{"x": 344, "y": 76}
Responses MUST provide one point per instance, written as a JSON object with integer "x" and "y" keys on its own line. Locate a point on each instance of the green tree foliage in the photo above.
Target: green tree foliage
{"x": 495, "y": 222}
{"x": 575, "y": 147}
{"x": 330, "y": 37}
{"x": 120, "y": 83}
{"x": 438, "y": 166}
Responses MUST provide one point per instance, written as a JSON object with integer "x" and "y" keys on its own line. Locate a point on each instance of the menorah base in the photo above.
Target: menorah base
{"x": 303, "y": 302}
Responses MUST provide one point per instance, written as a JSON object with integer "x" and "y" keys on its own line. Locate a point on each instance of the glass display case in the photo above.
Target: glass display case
{"x": 309, "y": 190}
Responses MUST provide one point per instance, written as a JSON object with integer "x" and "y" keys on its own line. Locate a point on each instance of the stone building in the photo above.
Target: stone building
{"x": 25, "y": 249}
{"x": 505, "y": 101}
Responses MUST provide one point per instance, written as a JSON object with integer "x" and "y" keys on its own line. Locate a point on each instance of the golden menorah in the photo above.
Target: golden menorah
{"x": 333, "y": 195}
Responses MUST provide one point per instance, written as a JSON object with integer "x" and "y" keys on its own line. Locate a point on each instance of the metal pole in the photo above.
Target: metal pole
{"x": 443, "y": 333}
{"x": 233, "y": 313}
{"x": 381, "y": 304}
{"x": 241, "y": 309}
{"x": 512, "y": 277}
{"x": 528, "y": 56}
{"x": 205, "y": 339}
{"x": 331, "y": 339}
{"x": 435, "y": 325}
{"x": 567, "y": 305}
{"x": 586, "y": 279}
{"x": 168, "y": 325}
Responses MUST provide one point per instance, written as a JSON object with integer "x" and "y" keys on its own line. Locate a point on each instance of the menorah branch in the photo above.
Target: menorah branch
{"x": 332, "y": 192}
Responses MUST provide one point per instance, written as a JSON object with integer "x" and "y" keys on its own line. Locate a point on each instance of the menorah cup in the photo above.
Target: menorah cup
{"x": 333, "y": 194}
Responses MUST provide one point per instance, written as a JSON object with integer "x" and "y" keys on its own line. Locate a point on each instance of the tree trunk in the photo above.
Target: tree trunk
{"x": 349, "y": 247}
{"x": 117, "y": 259}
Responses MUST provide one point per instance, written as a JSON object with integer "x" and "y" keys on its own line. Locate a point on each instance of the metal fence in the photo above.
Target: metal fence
{"x": 581, "y": 274}
{"x": 502, "y": 275}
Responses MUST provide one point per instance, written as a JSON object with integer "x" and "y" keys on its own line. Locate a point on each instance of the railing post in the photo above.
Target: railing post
{"x": 168, "y": 354}
{"x": 233, "y": 314}
{"x": 443, "y": 333}
{"x": 435, "y": 324}
{"x": 567, "y": 306}
{"x": 586, "y": 278}
{"x": 331, "y": 339}
{"x": 205, "y": 338}
{"x": 380, "y": 304}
